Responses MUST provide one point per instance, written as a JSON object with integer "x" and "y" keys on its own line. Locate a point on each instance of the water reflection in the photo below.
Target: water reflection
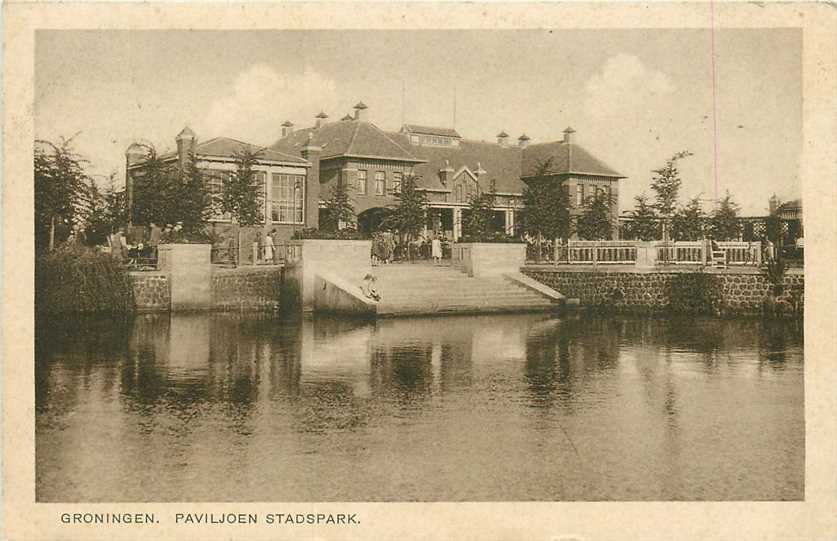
{"x": 479, "y": 408}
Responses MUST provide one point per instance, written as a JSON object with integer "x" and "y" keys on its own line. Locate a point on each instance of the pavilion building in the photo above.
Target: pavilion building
{"x": 300, "y": 170}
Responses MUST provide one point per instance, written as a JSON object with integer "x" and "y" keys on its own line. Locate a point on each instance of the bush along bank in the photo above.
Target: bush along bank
{"x": 697, "y": 293}
{"x": 75, "y": 279}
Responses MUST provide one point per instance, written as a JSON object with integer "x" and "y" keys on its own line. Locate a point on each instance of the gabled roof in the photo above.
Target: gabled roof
{"x": 224, "y": 147}
{"x": 353, "y": 138}
{"x": 566, "y": 158}
{"x": 430, "y": 130}
{"x": 501, "y": 163}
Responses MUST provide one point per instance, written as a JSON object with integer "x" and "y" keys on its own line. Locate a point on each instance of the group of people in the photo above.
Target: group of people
{"x": 387, "y": 247}
{"x": 142, "y": 245}
{"x": 268, "y": 242}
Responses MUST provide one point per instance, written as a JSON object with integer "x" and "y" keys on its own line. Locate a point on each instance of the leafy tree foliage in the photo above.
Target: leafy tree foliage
{"x": 242, "y": 195}
{"x": 167, "y": 194}
{"x": 478, "y": 220}
{"x": 547, "y": 206}
{"x": 339, "y": 212}
{"x": 666, "y": 185}
{"x": 689, "y": 221}
{"x": 644, "y": 224}
{"x": 409, "y": 215}
{"x": 60, "y": 183}
{"x": 104, "y": 212}
{"x": 724, "y": 221}
{"x": 594, "y": 222}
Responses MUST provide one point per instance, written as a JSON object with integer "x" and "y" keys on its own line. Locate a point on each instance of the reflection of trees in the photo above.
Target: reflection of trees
{"x": 80, "y": 347}
{"x": 563, "y": 358}
{"x": 401, "y": 373}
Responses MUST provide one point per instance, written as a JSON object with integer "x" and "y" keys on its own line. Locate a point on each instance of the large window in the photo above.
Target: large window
{"x": 361, "y": 182}
{"x": 380, "y": 182}
{"x": 214, "y": 180}
{"x": 397, "y": 177}
{"x": 286, "y": 198}
{"x": 579, "y": 195}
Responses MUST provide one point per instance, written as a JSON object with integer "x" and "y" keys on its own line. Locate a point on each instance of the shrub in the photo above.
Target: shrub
{"x": 695, "y": 293}
{"x": 77, "y": 279}
{"x": 498, "y": 237}
{"x": 342, "y": 234}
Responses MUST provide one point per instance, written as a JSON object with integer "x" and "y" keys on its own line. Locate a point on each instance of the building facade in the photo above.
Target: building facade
{"x": 304, "y": 166}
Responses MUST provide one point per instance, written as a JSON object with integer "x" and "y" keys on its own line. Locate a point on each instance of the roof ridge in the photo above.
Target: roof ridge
{"x": 352, "y": 140}
{"x": 391, "y": 140}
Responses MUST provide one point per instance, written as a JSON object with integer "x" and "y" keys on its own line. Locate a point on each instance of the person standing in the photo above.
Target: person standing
{"x": 436, "y": 249}
{"x": 267, "y": 247}
{"x": 154, "y": 235}
{"x": 274, "y": 244}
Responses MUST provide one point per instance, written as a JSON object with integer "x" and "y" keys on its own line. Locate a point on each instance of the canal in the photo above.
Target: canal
{"x": 222, "y": 407}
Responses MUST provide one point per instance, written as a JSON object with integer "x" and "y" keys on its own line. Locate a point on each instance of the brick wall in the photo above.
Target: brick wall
{"x": 246, "y": 289}
{"x": 740, "y": 292}
{"x": 151, "y": 291}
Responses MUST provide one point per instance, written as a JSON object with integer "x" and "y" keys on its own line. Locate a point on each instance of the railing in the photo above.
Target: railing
{"x": 602, "y": 252}
{"x": 282, "y": 253}
{"x": 683, "y": 252}
{"x": 583, "y": 252}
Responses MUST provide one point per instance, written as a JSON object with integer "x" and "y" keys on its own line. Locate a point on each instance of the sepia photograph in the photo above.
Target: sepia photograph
{"x": 280, "y": 278}
{"x": 418, "y": 265}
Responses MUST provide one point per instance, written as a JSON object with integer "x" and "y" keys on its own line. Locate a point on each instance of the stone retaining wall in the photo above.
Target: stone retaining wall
{"x": 152, "y": 291}
{"x": 246, "y": 288}
{"x": 740, "y": 291}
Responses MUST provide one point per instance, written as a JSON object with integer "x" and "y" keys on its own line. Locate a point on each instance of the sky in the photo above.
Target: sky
{"x": 635, "y": 97}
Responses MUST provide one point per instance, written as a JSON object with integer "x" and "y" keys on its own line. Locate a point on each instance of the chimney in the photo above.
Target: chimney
{"x": 287, "y": 128}
{"x": 446, "y": 173}
{"x": 321, "y": 119}
{"x": 502, "y": 138}
{"x": 185, "y": 146}
{"x": 568, "y": 135}
{"x": 312, "y": 152}
{"x": 360, "y": 111}
{"x": 774, "y": 203}
{"x": 523, "y": 141}
{"x": 133, "y": 154}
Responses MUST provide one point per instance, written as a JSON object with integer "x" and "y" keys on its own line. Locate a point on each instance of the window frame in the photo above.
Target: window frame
{"x": 292, "y": 205}
{"x": 381, "y": 176}
{"x": 361, "y": 182}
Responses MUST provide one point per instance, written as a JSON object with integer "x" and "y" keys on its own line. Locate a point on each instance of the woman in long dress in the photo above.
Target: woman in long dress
{"x": 268, "y": 248}
{"x": 436, "y": 249}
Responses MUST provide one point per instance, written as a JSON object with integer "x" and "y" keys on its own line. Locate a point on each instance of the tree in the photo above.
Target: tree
{"x": 594, "y": 222}
{"x": 191, "y": 204}
{"x": 339, "y": 211}
{"x": 666, "y": 185}
{"x": 478, "y": 223}
{"x": 60, "y": 182}
{"x": 166, "y": 194}
{"x": 409, "y": 215}
{"x": 689, "y": 221}
{"x": 241, "y": 195}
{"x": 644, "y": 224}
{"x": 153, "y": 191}
{"x": 546, "y": 206}
{"x": 241, "y": 192}
{"x": 724, "y": 222}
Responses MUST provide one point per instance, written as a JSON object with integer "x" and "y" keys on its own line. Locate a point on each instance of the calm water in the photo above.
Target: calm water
{"x": 252, "y": 408}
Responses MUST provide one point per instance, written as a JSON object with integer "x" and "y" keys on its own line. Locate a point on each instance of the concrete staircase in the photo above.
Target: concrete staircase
{"x": 427, "y": 289}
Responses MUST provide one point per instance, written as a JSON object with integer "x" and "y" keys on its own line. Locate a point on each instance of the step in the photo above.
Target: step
{"x": 430, "y": 306}
{"x": 384, "y": 310}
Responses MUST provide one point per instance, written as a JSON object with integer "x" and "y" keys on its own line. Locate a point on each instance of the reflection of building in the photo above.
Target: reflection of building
{"x": 300, "y": 170}
{"x": 373, "y": 162}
